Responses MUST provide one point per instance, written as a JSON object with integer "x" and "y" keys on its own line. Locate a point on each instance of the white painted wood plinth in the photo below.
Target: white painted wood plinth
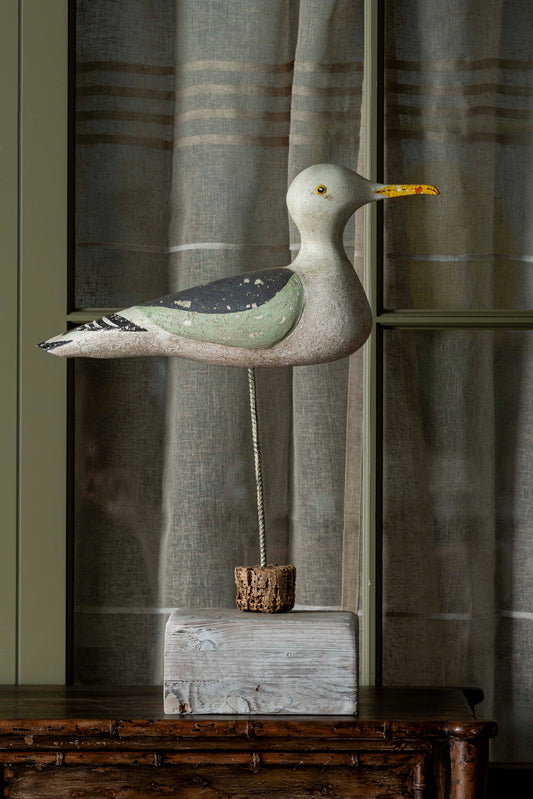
{"x": 226, "y": 661}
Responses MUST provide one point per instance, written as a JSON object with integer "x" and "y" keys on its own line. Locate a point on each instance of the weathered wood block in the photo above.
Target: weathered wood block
{"x": 224, "y": 661}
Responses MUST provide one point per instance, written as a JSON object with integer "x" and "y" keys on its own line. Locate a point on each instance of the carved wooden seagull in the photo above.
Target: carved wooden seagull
{"x": 313, "y": 311}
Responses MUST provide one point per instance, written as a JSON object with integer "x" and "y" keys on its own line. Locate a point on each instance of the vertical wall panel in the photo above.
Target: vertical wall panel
{"x": 43, "y": 305}
{"x": 8, "y": 333}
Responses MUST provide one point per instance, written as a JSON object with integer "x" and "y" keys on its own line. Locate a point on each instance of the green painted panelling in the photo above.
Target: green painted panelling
{"x": 43, "y": 307}
{"x": 8, "y": 335}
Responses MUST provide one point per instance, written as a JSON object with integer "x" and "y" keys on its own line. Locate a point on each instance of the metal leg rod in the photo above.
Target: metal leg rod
{"x": 257, "y": 464}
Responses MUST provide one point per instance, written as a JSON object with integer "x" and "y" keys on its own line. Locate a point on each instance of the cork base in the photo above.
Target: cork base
{"x": 265, "y": 589}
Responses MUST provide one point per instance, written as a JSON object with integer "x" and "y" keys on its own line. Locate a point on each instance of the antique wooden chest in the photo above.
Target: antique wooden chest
{"x": 70, "y": 743}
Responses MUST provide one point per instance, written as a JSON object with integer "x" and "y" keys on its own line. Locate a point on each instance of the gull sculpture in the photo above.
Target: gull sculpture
{"x": 310, "y": 312}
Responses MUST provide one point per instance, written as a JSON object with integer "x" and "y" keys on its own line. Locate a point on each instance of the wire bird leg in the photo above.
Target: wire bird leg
{"x": 266, "y": 589}
{"x": 257, "y": 465}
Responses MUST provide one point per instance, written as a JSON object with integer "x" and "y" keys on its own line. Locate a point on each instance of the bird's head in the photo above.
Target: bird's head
{"x": 322, "y": 198}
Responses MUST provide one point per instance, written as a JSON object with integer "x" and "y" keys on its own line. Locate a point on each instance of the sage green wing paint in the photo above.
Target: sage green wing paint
{"x": 258, "y": 327}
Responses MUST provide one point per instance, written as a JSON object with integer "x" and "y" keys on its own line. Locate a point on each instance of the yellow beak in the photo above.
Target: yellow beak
{"x": 404, "y": 190}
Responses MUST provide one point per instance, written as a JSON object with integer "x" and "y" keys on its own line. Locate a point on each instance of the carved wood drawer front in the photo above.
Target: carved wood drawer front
{"x": 238, "y": 781}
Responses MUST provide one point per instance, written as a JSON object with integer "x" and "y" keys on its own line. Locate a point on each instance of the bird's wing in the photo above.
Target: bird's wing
{"x": 255, "y": 310}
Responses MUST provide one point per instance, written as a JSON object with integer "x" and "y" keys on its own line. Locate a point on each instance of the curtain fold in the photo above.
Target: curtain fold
{"x": 192, "y": 120}
{"x": 124, "y": 110}
{"x": 262, "y": 91}
{"x": 325, "y": 125}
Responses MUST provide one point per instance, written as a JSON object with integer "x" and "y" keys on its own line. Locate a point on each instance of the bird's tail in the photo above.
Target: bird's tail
{"x": 103, "y": 338}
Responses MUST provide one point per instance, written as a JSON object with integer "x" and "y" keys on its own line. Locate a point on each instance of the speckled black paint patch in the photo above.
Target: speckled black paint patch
{"x": 52, "y": 345}
{"x": 112, "y": 322}
{"x": 230, "y": 295}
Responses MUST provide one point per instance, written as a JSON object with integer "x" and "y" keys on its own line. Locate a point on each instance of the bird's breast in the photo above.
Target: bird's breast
{"x": 335, "y": 322}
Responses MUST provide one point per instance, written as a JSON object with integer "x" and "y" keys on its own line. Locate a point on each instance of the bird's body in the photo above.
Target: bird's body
{"x": 317, "y": 318}
{"x": 313, "y": 311}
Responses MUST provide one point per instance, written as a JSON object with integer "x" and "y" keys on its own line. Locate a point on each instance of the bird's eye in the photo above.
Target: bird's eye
{"x": 321, "y": 189}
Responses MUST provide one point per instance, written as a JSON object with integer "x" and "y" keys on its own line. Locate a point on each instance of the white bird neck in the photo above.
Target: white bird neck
{"x": 324, "y": 255}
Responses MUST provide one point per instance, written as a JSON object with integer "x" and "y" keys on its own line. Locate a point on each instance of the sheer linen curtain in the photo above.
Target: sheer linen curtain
{"x": 193, "y": 118}
{"x": 458, "y": 554}
{"x": 262, "y": 91}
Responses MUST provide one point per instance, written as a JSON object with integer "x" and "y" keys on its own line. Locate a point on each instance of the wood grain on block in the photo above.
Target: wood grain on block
{"x": 224, "y": 661}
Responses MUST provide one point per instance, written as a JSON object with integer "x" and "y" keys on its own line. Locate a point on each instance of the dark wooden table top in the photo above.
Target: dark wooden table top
{"x": 404, "y": 711}
{"x": 69, "y": 702}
